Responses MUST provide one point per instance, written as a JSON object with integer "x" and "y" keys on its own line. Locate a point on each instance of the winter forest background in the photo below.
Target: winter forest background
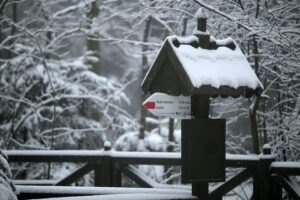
{"x": 70, "y": 75}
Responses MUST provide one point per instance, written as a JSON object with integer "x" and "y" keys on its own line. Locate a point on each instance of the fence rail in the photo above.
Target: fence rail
{"x": 269, "y": 177}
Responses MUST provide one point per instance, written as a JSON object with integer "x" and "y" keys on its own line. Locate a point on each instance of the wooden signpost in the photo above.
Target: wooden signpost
{"x": 179, "y": 75}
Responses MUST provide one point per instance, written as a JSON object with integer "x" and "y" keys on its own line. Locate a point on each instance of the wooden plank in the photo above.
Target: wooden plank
{"x": 230, "y": 184}
{"x": 292, "y": 188}
{"x": 54, "y": 155}
{"x": 34, "y": 182}
{"x": 74, "y": 176}
{"x": 151, "y": 158}
{"x": 34, "y": 192}
{"x": 286, "y": 168}
{"x": 148, "y": 158}
{"x": 245, "y": 161}
{"x": 138, "y": 176}
{"x": 143, "y": 196}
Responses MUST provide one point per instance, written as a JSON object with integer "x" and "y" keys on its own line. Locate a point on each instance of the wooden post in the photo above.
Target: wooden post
{"x": 201, "y": 190}
{"x": 103, "y": 171}
{"x": 170, "y": 147}
{"x": 276, "y": 189}
{"x": 200, "y": 110}
{"x": 97, "y": 176}
{"x": 262, "y": 176}
{"x": 116, "y": 174}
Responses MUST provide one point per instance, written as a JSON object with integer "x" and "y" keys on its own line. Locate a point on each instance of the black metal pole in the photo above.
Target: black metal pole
{"x": 200, "y": 110}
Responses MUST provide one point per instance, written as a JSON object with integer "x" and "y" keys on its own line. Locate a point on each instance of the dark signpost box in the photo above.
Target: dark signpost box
{"x": 201, "y": 67}
{"x": 203, "y": 147}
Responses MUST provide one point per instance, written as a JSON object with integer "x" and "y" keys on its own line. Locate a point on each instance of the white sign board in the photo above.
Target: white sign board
{"x": 170, "y": 106}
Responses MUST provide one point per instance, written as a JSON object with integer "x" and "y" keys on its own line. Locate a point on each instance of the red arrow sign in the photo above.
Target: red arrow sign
{"x": 149, "y": 105}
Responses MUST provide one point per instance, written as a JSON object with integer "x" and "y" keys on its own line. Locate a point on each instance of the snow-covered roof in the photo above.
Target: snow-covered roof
{"x": 218, "y": 69}
{"x": 215, "y": 67}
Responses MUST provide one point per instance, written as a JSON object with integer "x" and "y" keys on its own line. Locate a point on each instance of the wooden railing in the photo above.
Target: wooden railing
{"x": 269, "y": 177}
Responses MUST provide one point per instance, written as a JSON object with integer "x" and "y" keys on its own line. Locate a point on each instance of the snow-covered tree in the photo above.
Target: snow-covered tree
{"x": 48, "y": 93}
{"x": 7, "y": 188}
{"x": 51, "y": 97}
{"x": 268, "y": 32}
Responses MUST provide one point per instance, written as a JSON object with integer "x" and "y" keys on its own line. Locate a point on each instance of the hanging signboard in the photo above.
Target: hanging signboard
{"x": 203, "y": 150}
{"x": 161, "y": 104}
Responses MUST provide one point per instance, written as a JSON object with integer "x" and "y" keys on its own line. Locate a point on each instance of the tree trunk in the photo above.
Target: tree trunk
{"x": 9, "y": 56}
{"x": 264, "y": 103}
{"x": 253, "y": 110}
{"x": 143, "y": 73}
{"x": 93, "y": 45}
{"x": 254, "y": 131}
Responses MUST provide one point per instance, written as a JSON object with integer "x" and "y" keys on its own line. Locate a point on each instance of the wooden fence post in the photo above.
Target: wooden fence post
{"x": 116, "y": 174}
{"x": 276, "y": 189}
{"x": 262, "y": 175}
{"x": 103, "y": 170}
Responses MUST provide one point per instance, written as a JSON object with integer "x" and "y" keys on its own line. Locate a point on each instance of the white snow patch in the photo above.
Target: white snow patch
{"x": 141, "y": 145}
{"x": 4, "y": 166}
{"x": 289, "y": 164}
{"x": 242, "y": 157}
{"x": 197, "y": 32}
{"x": 98, "y": 190}
{"x": 155, "y": 142}
{"x": 153, "y": 171}
{"x": 127, "y": 142}
{"x": 187, "y": 39}
{"x": 177, "y": 135}
{"x": 61, "y": 171}
{"x": 267, "y": 146}
{"x": 201, "y": 13}
{"x": 164, "y": 132}
{"x": 128, "y": 197}
{"x": 107, "y": 144}
{"x": 222, "y": 42}
{"x": 6, "y": 194}
{"x": 152, "y": 120}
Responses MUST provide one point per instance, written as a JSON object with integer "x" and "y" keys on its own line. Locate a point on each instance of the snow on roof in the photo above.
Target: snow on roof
{"x": 215, "y": 67}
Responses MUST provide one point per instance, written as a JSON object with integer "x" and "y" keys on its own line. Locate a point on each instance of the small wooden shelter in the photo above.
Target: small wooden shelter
{"x": 200, "y": 64}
